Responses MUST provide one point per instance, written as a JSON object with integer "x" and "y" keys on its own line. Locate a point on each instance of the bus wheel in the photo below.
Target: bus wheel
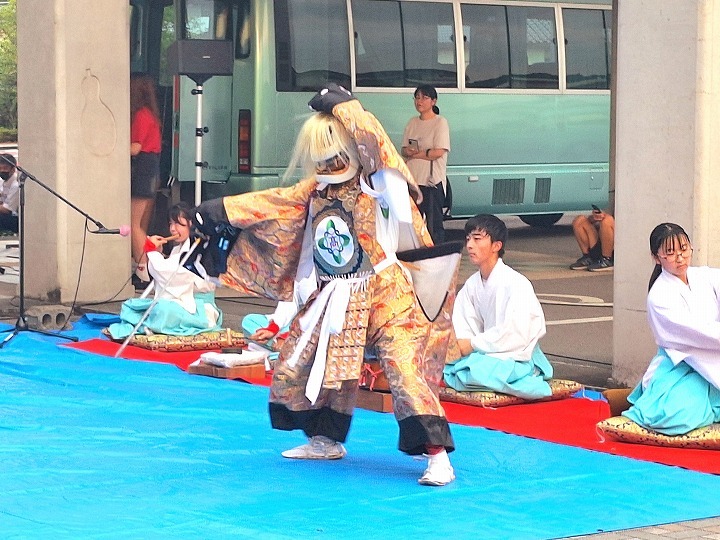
{"x": 540, "y": 220}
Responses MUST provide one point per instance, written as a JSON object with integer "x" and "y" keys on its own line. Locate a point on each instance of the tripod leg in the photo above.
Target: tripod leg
{"x": 14, "y": 332}
{"x": 21, "y": 325}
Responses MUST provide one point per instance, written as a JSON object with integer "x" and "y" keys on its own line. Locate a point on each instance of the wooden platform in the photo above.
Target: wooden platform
{"x": 374, "y": 401}
{"x": 253, "y": 371}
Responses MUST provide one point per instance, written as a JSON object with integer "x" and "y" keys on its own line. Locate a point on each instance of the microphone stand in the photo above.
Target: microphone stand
{"x": 21, "y": 324}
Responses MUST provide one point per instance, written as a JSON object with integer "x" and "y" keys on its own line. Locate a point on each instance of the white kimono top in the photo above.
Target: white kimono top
{"x": 180, "y": 284}
{"x": 685, "y": 320}
{"x": 501, "y": 317}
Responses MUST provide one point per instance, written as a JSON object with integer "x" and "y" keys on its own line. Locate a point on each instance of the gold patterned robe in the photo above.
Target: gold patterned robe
{"x": 383, "y": 313}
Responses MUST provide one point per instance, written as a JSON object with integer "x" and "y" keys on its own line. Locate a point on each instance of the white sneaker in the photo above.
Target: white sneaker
{"x": 318, "y": 447}
{"x": 439, "y": 472}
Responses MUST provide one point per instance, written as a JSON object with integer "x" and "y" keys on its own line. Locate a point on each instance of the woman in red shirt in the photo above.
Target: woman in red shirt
{"x": 145, "y": 145}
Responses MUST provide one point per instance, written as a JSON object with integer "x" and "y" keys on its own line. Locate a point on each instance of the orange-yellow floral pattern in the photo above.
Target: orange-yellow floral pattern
{"x": 411, "y": 349}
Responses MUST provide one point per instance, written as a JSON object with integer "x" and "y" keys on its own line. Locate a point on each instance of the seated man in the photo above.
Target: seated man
{"x": 9, "y": 194}
{"x": 498, "y": 321}
{"x": 595, "y": 235}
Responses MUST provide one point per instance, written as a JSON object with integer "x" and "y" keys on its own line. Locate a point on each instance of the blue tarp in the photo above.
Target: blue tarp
{"x": 96, "y": 447}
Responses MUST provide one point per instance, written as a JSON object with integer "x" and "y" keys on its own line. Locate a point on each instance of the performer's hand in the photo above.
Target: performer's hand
{"x": 263, "y": 335}
{"x": 156, "y": 240}
{"x": 328, "y": 97}
{"x": 209, "y": 217}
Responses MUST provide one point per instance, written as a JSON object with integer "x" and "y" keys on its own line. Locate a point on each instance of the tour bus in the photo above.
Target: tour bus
{"x": 524, "y": 85}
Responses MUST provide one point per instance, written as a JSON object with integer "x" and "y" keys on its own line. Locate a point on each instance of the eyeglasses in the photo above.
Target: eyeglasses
{"x": 674, "y": 255}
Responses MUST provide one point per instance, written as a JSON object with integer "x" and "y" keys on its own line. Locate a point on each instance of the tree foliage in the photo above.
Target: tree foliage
{"x": 8, "y": 65}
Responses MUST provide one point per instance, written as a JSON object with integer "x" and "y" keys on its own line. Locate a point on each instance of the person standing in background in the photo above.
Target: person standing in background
{"x": 425, "y": 147}
{"x": 9, "y": 194}
{"x": 145, "y": 146}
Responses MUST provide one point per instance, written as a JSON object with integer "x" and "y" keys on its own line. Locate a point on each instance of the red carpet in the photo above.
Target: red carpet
{"x": 572, "y": 422}
{"x": 569, "y": 421}
{"x": 182, "y": 360}
{"x": 105, "y": 347}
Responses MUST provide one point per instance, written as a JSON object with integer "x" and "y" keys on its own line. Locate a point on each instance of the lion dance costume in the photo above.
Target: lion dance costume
{"x": 349, "y": 226}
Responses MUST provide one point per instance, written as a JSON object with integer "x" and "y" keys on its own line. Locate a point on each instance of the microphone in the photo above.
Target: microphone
{"x": 124, "y": 230}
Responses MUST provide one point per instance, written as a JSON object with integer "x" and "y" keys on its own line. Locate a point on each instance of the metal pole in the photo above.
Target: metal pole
{"x": 199, "y": 132}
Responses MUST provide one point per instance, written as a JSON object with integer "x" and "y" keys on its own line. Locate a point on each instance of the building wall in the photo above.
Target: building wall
{"x": 666, "y": 137}
{"x": 73, "y": 107}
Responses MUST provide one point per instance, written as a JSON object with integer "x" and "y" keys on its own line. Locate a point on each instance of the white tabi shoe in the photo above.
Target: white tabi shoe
{"x": 318, "y": 447}
{"x": 439, "y": 472}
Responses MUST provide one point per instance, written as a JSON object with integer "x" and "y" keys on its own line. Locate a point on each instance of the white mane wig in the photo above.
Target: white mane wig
{"x": 321, "y": 137}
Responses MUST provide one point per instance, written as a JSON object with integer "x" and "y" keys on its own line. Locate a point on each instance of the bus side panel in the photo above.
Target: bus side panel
{"x": 217, "y": 142}
{"x": 512, "y": 152}
{"x": 516, "y": 153}
{"x": 276, "y": 117}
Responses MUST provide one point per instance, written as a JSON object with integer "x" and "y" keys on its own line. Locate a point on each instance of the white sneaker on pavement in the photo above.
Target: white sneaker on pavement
{"x": 318, "y": 447}
{"x": 439, "y": 472}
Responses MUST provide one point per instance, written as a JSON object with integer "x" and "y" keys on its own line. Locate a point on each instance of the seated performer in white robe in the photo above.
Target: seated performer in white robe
{"x": 184, "y": 299}
{"x": 498, "y": 322}
{"x": 679, "y": 391}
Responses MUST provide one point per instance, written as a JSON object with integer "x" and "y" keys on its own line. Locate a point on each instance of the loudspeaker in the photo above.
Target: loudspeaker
{"x": 200, "y": 59}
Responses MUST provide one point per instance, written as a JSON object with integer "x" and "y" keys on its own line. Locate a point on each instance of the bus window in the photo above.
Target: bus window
{"x": 168, "y": 35}
{"x": 510, "y": 47}
{"x": 587, "y": 48}
{"x": 404, "y": 44}
{"x": 311, "y": 44}
{"x": 136, "y": 56}
{"x": 206, "y": 19}
{"x": 242, "y": 43}
{"x": 486, "y": 51}
{"x": 533, "y": 49}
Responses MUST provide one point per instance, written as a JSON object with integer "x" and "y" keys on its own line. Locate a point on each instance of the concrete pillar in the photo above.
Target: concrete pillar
{"x": 73, "y": 107}
{"x": 667, "y": 152}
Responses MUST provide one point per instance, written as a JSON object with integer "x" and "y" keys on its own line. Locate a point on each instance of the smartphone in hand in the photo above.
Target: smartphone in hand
{"x": 413, "y": 143}
{"x": 596, "y": 210}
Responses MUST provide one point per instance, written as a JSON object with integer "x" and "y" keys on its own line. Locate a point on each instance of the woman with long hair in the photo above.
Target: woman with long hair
{"x": 184, "y": 297}
{"x": 679, "y": 391}
{"x": 145, "y": 146}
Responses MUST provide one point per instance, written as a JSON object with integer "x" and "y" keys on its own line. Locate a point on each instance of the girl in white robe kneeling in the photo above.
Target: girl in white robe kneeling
{"x": 185, "y": 298}
{"x": 679, "y": 391}
{"x": 498, "y": 322}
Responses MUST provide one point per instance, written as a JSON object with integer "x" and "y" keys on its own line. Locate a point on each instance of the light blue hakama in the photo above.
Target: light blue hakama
{"x": 166, "y": 317}
{"x": 479, "y": 372}
{"x": 676, "y": 400}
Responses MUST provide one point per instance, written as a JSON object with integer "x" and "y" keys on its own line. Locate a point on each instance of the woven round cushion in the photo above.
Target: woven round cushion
{"x": 625, "y": 430}
{"x": 206, "y": 341}
{"x": 560, "y": 389}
